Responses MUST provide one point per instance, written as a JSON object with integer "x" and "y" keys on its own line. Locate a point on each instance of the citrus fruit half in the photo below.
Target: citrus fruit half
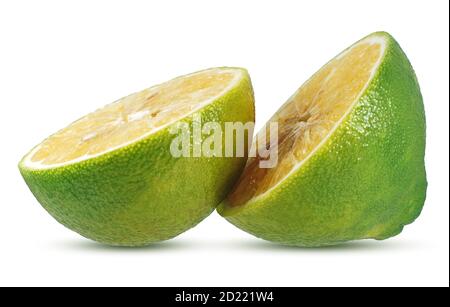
{"x": 351, "y": 145}
{"x": 111, "y": 176}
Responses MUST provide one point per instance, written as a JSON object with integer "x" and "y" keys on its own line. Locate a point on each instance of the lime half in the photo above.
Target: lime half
{"x": 111, "y": 176}
{"x": 350, "y": 149}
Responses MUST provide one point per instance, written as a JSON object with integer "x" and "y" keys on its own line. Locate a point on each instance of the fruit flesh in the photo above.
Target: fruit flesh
{"x": 132, "y": 117}
{"x": 309, "y": 116}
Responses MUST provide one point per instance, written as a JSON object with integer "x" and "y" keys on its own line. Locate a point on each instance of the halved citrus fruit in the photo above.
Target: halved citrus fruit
{"x": 350, "y": 151}
{"x": 111, "y": 176}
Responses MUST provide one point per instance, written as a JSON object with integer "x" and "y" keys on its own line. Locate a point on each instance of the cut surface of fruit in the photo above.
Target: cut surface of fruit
{"x": 132, "y": 117}
{"x": 307, "y": 119}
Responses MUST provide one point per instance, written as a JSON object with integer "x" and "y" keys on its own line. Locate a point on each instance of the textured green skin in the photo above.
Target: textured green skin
{"x": 140, "y": 194}
{"x": 367, "y": 180}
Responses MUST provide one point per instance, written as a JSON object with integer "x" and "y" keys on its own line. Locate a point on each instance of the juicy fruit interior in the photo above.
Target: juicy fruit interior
{"x": 309, "y": 116}
{"x": 133, "y": 117}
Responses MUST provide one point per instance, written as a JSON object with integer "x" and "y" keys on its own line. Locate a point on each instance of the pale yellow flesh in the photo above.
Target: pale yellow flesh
{"x": 132, "y": 117}
{"x": 308, "y": 117}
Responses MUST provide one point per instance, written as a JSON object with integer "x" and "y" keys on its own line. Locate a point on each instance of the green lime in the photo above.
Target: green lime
{"x": 112, "y": 177}
{"x": 351, "y": 145}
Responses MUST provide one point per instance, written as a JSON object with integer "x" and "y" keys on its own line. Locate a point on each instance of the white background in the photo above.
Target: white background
{"x": 62, "y": 59}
